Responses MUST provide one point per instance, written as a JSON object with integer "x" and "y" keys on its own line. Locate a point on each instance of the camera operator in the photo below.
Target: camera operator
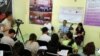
{"x": 8, "y": 23}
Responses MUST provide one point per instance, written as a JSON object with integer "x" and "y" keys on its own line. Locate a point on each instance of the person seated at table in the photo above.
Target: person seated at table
{"x": 45, "y": 36}
{"x": 69, "y": 42}
{"x": 32, "y": 45}
{"x": 54, "y": 44}
{"x": 89, "y": 49}
{"x": 80, "y": 32}
{"x": 63, "y": 28}
{"x": 8, "y": 39}
{"x": 48, "y": 25}
{"x": 18, "y": 49}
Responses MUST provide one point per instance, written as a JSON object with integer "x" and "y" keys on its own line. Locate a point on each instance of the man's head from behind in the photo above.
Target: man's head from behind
{"x": 44, "y": 30}
{"x": 11, "y": 33}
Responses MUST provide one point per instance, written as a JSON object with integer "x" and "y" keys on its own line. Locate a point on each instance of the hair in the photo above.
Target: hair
{"x": 54, "y": 43}
{"x": 44, "y": 29}
{"x": 8, "y": 14}
{"x": 89, "y": 49}
{"x": 54, "y": 40}
{"x": 54, "y": 37}
{"x": 18, "y": 49}
{"x": 52, "y": 28}
{"x": 11, "y": 31}
{"x": 81, "y": 29}
{"x": 32, "y": 37}
{"x": 70, "y": 36}
{"x": 65, "y": 21}
{"x": 80, "y": 24}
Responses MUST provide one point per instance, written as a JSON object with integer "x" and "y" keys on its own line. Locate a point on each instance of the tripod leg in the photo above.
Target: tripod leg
{"x": 21, "y": 35}
{"x": 16, "y": 33}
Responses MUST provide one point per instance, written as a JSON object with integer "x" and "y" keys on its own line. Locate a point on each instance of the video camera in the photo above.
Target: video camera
{"x": 19, "y": 21}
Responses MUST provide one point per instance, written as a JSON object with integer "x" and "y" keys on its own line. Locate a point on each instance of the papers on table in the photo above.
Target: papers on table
{"x": 43, "y": 47}
{"x": 63, "y": 52}
{"x": 99, "y": 51}
{"x": 1, "y": 53}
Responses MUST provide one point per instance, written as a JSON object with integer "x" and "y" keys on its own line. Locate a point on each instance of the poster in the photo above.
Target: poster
{"x": 71, "y": 14}
{"x": 5, "y": 6}
{"x": 92, "y": 14}
{"x": 40, "y": 11}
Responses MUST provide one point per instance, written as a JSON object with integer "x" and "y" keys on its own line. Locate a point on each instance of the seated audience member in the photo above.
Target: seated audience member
{"x": 52, "y": 30}
{"x": 89, "y": 49}
{"x": 18, "y": 49}
{"x": 54, "y": 44}
{"x": 8, "y": 39}
{"x": 70, "y": 42}
{"x": 63, "y": 28}
{"x": 32, "y": 45}
{"x": 45, "y": 36}
{"x": 80, "y": 34}
{"x": 48, "y": 25}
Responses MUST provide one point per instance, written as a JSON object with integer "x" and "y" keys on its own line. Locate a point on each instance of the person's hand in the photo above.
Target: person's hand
{"x": 79, "y": 34}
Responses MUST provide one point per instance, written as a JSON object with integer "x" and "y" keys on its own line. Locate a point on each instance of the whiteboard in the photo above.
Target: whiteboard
{"x": 71, "y": 14}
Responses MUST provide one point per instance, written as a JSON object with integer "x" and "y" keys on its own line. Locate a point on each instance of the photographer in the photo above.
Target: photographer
{"x": 8, "y": 22}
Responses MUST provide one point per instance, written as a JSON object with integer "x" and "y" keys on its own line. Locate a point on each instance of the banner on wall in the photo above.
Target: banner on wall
{"x": 5, "y": 6}
{"x": 92, "y": 15}
{"x": 71, "y": 14}
{"x": 40, "y": 10}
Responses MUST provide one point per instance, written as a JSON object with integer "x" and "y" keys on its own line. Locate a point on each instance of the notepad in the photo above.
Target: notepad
{"x": 43, "y": 47}
{"x": 63, "y": 52}
{"x": 1, "y": 53}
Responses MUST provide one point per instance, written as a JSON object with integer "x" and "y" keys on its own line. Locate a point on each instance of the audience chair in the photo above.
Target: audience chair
{"x": 7, "y": 49}
{"x": 42, "y": 43}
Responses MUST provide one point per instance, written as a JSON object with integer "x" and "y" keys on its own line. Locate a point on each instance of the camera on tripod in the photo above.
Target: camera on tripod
{"x": 19, "y": 21}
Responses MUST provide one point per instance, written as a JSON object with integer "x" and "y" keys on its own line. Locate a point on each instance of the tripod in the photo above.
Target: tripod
{"x": 19, "y": 31}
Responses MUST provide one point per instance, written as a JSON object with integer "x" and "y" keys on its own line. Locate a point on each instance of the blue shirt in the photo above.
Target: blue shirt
{"x": 64, "y": 29}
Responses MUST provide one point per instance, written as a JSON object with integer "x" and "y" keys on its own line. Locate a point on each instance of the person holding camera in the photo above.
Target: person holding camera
{"x": 8, "y": 23}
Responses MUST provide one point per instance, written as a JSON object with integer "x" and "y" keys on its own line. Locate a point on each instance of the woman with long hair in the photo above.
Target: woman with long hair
{"x": 32, "y": 45}
{"x": 80, "y": 32}
{"x": 53, "y": 45}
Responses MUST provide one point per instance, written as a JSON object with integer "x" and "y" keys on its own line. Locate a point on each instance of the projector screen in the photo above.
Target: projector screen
{"x": 71, "y": 14}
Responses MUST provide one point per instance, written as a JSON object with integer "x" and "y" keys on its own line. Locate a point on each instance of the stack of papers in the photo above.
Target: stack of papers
{"x": 1, "y": 53}
{"x": 43, "y": 47}
{"x": 63, "y": 52}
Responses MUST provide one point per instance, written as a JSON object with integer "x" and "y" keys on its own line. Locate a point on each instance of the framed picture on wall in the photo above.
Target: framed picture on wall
{"x": 5, "y": 6}
{"x": 40, "y": 10}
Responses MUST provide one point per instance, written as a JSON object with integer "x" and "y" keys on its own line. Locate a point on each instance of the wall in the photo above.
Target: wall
{"x": 21, "y": 11}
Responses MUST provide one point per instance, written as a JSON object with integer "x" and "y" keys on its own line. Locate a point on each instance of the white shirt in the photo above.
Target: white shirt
{"x": 48, "y": 26}
{"x": 7, "y": 40}
{"x": 7, "y": 23}
{"x": 32, "y": 46}
{"x": 45, "y": 37}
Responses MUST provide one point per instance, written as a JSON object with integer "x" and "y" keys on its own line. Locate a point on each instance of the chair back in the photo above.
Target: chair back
{"x": 42, "y": 43}
{"x": 7, "y": 49}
